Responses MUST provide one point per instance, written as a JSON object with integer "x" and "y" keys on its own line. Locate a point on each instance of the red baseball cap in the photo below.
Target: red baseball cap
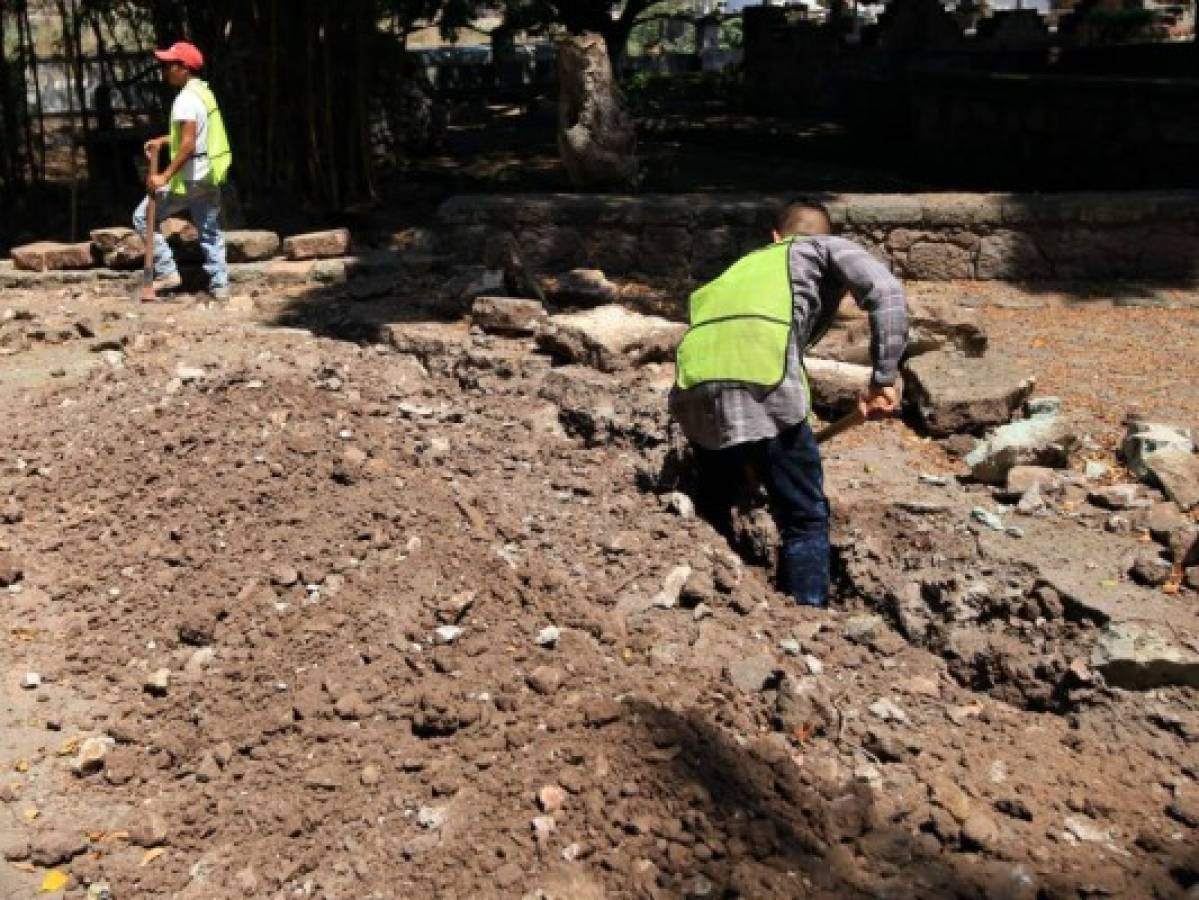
{"x": 182, "y": 52}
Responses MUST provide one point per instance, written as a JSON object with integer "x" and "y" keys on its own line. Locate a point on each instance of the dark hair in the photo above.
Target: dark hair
{"x": 794, "y": 215}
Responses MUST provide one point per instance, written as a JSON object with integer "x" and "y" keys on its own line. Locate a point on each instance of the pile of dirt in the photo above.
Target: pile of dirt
{"x": 354, "y": 622}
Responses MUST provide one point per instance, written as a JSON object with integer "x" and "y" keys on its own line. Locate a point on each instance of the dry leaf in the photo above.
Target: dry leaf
{"x": 54, "y": 881}
{"x": 150, "y": 855}
{"x": 21, "y": 765}
{"x": 24, "y": 867}
{"x": 32, "y": 813}
{"x": 69, "y": 747}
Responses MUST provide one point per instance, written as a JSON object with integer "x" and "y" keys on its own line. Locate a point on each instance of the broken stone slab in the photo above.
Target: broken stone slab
{"x": 507, "y": 315}
{"x": 317, "y": 244}
{"x": 955, "y": 393}
{"x": 1138, "y": 656}
{"x": 1177, "y": 471}
{"x": 583, "y": 287}
{"x": 752, "y": 674}
{"x": 1144, "y": 439}
{"x": 118, "y": 248}
{"x": 249, "y": 245}
{"x": 45, "y": 256}
{"x": 610, "y": 338}
{"x": 932, "y": 325}
{"x": 1042, "y": 440}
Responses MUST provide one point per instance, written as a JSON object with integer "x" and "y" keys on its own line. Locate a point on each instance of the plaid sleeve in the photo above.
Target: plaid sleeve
{"x": 880, "y": 294}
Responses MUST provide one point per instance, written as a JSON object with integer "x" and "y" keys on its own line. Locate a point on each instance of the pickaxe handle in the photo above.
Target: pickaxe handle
{"x": 846, "y": 422}
{"x": 147, "y": 294}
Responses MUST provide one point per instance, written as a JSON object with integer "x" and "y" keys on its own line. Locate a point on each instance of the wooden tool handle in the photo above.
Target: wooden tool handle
{"x": 846, "y": 422}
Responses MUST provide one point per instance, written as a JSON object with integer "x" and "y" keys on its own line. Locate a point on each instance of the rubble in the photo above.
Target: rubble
{"x": 1177, "y": 472}
{"x": 1139, "y": 657}
{"x": 610, "y": 338}
{"x": 953, "y": 393}
{"x": 507, "y": 315}
{"x": 1043, "y": 440}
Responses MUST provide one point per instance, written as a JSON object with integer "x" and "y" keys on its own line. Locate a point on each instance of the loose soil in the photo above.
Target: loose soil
{"x": 347, "y": 560}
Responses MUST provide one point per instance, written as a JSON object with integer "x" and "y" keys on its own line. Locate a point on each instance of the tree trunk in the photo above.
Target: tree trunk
{"x": 596, "y": 138}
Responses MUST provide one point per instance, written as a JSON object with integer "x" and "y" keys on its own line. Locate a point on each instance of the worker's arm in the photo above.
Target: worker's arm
{"x": 880, "y": 294}
{"x": 187, "y": 146}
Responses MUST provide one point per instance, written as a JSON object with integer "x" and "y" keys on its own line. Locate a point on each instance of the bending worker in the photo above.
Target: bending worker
{"x": 741, "y": 394}
{"x": 200, "y": 161}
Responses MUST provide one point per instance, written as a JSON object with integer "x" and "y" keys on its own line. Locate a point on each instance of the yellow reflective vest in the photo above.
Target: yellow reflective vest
{"x": 740, "y": 324}
{"x": 220, "y": 156}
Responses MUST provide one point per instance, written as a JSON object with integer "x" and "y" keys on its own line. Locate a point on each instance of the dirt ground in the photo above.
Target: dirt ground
{"x": 353, "y": 623}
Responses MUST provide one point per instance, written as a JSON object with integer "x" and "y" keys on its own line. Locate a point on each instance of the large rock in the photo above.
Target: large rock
{"x": 1178, "y": 474}
{"x": 119, "y": 248}
{"x": 1140, "y": 657}
{"x": 460, "y": 290}
{"x": 954, "y": 393}
{"x": 583, "y": 287}
{"x": 250, "y": 246}
{"x": 45, "y": 256}
{"x": 932, "y": 325}
{"x": 610, "y": 338}
{"x": 507, "y": 315}
{"x": 1041, "y": 440}
{"x": 183, "y": 238}
{"x": 1143, "y": 439}
{"x": 317, "y": 244}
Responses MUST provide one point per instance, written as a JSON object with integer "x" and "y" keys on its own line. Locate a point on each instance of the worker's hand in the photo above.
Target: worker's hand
{"x": 155, "y": 183}
{"x": 878, "y": 402}
{"x": 152, "y": 146}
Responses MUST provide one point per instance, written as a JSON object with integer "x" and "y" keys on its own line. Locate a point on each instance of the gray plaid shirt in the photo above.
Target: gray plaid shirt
{"x": 823, "y": 268}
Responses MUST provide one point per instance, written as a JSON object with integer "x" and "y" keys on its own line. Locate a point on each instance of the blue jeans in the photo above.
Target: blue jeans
{"x": 789, "y": 467}
{"x": 203, "y": 201}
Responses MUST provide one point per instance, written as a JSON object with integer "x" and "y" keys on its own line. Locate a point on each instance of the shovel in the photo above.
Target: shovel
{"x": 146, "y": 294}
{"x": 846, "y": 422}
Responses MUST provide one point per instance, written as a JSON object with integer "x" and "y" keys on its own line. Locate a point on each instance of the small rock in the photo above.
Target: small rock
{"x": 11, "y": 569}
{"x": 1117, "y": 524}
{"x": 1014, "y": 807}
{"x": 1086, "y": 831}
{"x": 601, "y": 711}
{"x": 353, "y": 706}
{"x": 543, "y": 827}
{"x": 157, "y": 682}
{"x": 91, "y": 755}
{"x": 753, "y": 674}
{"x": 323, "y": 777}
{"x": 790, "y": 646}
{"x": 1031, "y": 501}
{"x": 200, "y": 661}
{"x": 988, "y": 518}
{"x": 447, "y": 634}
{"x": 551, "y": 798}
{"x": 1116, "y": 497}
{"x": 52, "y": 848}
{"x": 548, "y": 636}
{"x": 284, "y": 576}
{"x": 370, "y": 775}
{"x": 860, "y": 629}
{"x": 960, "y": 715}
{"x": 680, "y": 504}
{"x": 980, "y": 831}
{"x": 1185, "y": 810}
{"x": 672, "y": 587}
{"x": 31, "y": 681}
{"x": 1150, "y": 569}
{"x": 544, "y": 679}
{"x": 815, "y": 666}
{"x": 431, "y": 817}
{"x": 887, "y": 711}
{"x": 1095, "y": 470}
{"x": 1020, "y": 479}
{"x": 188, "y": 374}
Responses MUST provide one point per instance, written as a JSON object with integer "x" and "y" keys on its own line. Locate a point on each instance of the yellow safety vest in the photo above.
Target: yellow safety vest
{"x": 740, "y": 324}
{"x": 220, "y": 155}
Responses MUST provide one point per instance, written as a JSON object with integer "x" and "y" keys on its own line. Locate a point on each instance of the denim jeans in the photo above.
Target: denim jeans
{"x": 789, "y": 467}
{"x": 203, "y": 201}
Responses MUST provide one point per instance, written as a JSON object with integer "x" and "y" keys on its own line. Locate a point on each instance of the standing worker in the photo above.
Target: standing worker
{"x": 741, "y": 393}
{"x": 200, "y": 161}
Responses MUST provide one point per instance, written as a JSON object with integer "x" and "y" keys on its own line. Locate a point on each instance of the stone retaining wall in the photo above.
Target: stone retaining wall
{"x": 1011, "y": 237}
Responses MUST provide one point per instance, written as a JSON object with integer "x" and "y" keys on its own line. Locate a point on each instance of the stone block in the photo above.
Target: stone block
{"x": 118, "y": 248}
{"x": 1177, "y": 471}
{"x": 551, "y": 247}
{"x": 46, "y": 256}
{"x": 610, "y": 338}
{"x": 507, "y": 315}
{"x": 612, "y": 249}
{"x": 1135, "y": 656}
{"x": 1145, "y": 439}
{"x": 884, "y": 209}
{"x": 942, "y": 210}
{"x": 250, "y": 246}
{"x": 1042, "y": 440}
{"x": 955, "y": 393}
{"x": 927, "y": 261}
{"x": 317, "y": 244}
{"x": 1010, "y": 256}
{"x": 583, "y": 287}
{"x": 665, "y": 250}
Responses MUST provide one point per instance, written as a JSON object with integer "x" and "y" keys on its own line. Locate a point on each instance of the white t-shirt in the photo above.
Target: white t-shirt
{"x": 188, "y": 107}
